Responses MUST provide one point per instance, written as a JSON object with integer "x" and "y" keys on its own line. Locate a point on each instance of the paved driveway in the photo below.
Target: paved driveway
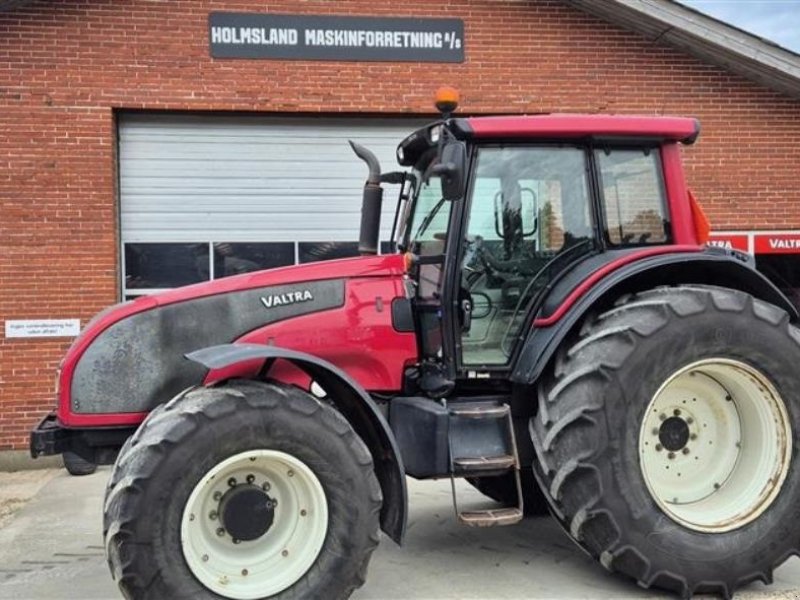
{"x": 52, "y": 549}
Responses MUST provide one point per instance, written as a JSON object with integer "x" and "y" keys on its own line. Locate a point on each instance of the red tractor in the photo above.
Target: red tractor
{"x": 552, "y": 328}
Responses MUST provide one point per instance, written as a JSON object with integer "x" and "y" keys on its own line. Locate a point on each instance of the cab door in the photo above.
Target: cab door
{"x": 528, "y": 217}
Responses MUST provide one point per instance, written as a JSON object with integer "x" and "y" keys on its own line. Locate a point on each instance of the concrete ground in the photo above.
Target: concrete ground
{"x": 51, "y": 548}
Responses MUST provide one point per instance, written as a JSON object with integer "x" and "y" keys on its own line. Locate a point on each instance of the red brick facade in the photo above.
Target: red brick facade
{"x": 66, "y": 67}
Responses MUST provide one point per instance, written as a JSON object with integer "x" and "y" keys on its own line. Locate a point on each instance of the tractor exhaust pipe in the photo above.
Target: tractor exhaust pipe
{"x": 371, "y": 203}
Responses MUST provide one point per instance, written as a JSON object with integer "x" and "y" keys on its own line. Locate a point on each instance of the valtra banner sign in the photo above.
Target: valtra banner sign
{"x": 758, "y": 242}
{"x": 733, "y": 241}
{"x": 777, "y": 243}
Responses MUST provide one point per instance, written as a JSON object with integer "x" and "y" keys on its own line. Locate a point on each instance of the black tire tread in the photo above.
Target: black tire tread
{"x": 192, "y": 409}
{"x": 77, "y": 465}
{"x": 569, "y": 404}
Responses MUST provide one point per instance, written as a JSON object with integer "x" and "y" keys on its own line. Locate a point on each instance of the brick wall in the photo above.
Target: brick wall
{"x": 66, "y": 66}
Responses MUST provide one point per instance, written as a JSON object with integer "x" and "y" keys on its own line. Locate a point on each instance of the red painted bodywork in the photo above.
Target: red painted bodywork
{"x": 386, "y": 270}
{"x": 595, "y": 277}
{"x": 680, "y": 211}
{"x": 358, "y": 337}
{"x": 580, "y": 126}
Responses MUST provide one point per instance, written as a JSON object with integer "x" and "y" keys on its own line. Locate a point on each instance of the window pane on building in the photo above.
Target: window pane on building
{"x": 314, "y": 251}
{"x": 233, "y": 258}
{"x": 161, "y": 265}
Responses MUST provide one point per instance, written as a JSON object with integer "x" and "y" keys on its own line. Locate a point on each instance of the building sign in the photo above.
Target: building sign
{"x": 730, "y": 241}
{"x": 36, "y": 328}
{"x": 311, "y": 37}
{"x": 777, "y": 243}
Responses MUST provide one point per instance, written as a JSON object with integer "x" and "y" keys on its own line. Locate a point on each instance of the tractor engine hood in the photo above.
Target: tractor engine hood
{"x": 130, "y": 357}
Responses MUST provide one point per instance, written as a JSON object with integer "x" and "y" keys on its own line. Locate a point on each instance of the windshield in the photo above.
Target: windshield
{"x": 427, "y": 218}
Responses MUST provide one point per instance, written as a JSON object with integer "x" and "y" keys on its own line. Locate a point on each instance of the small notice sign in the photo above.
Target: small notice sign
{"x": 36, "y": 328}
{"x": 315, "y": 37}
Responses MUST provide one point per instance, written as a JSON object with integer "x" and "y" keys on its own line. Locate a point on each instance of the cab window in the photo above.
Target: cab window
{"x": 633, "y": 196}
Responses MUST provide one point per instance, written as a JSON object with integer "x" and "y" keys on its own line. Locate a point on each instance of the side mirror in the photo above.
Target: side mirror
{"x": 452, "y": 169}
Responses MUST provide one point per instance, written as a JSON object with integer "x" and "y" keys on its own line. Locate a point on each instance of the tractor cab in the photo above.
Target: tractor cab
{"x": 500, "y": 210}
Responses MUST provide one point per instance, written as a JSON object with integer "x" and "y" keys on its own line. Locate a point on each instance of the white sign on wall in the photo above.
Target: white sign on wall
{"x": 35, "y": 328}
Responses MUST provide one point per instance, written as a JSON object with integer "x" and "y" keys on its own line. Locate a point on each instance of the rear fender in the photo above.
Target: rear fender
{"x": 355, "y": 405}
{"x": 559, "y": 317}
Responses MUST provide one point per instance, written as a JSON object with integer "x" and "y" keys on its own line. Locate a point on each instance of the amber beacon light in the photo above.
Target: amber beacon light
{"x": 446, "y": 99}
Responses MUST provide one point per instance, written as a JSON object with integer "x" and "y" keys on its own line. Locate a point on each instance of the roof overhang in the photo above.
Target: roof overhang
{"x": 666, "y": 21}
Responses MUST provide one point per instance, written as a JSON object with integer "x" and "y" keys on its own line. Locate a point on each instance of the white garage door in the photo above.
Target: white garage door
{"x": 206, "y": 197}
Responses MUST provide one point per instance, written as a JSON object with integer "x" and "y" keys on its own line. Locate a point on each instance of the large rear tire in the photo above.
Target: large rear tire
{"x": 666, "y": 439}
{"x": 246, "y": 490}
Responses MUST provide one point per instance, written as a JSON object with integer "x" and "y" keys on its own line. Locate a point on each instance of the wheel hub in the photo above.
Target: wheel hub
{"x": 254, "y": 524}
{"x": 246, "y": 512}
{"x": 715, "y": 445}
{"x": 674, "y": 434}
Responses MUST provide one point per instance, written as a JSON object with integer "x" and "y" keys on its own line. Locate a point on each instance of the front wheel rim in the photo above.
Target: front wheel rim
{"x": 275, "y": 558}
{"x": 715, "y": 445}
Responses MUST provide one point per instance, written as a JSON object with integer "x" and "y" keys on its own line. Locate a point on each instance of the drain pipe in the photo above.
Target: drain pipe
{"x": 371, "y": 203}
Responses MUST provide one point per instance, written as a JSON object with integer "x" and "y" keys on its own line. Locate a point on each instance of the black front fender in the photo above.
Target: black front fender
{"x": 356, "y": 406}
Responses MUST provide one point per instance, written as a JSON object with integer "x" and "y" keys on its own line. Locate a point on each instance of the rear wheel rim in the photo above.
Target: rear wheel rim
{"x": 715, "y": 445}
{"x": 274, "y": 559}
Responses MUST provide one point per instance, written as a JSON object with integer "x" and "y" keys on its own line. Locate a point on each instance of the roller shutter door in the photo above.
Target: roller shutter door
{"x": 204, "y": 197}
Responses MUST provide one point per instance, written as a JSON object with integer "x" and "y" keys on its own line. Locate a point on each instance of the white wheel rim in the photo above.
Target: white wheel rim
{"x": 277, "y": 559}
{"x": 737, "y": 445}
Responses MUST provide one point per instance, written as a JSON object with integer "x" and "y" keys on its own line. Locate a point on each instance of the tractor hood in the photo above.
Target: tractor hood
{"x": 130, "y": 357}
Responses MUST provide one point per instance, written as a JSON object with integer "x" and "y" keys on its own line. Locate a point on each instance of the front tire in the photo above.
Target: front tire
{"x": 77, "y": 466}
{"x": 247, "y": 490}
{"x": 626, "y": 431}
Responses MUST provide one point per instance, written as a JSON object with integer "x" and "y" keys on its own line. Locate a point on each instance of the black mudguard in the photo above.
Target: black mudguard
{"x": 715, "y": 266}
{"x": 353, "y": 402}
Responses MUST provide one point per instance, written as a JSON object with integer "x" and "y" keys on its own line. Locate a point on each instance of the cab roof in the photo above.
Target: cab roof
{"x": 575, "y": 126}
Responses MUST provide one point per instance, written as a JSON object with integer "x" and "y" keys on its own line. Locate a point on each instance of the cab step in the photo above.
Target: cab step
{"x": 483, "y": 463}
{"x": 480, "y": 412}
{"x": 487, "y": 466}
{"x": 491, "y": 517}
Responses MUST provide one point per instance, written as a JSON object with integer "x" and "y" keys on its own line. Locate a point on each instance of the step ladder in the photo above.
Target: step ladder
{"x": 487, "y": 466}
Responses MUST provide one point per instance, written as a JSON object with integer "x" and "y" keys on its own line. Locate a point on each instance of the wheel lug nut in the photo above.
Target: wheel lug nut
{"x": 251, "y": 478}
{"x": 662, "y": 417}
{"x": 212, "y": 515}
{"x": 266, "y": 486}
{"x": 677, "y": 412}
{"x": 217, "y": 496}
{"x": 693, "y": 436}
{"x": 220, "y": 531}
{"x": 285, "y": 553}
{"x": 655, "y": 431}
{"x": 303, "y": 512}
{"x": 659, "y": 447}
{"x": 235, "y": 541}
{"x": 232, "y": 482}
{"x": 245, "y": 572}
{"x": 671, "y": 455}
{"x": 689, "y": 420}
{"x": 685, "y": 451}
{"x": 290, "y": 473}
